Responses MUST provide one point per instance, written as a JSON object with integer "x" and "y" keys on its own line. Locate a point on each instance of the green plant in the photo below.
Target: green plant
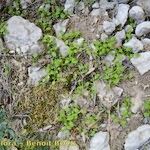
{"x": 7, "y": 69}
{"x": 5, "y": 130}
{"x": 147, "y": 108}
{"x": 48, "y": 13}
{"x": 125, "y": 112}
{"x": 70, "y": 36}
{"x": 14, "y": 8}
{"x": 69, "y": 116}
{"x": 3, "y": 29}
{"x": 103, "y": 48}
{"x": 114, "y": 74}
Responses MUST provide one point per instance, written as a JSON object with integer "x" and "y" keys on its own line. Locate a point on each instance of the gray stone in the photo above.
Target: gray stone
{"x": 122, "y": 14}
{"x": 146, "y": 43}
{"x": 95, "y": 5}
{"x": 109, "y": 58}
{"x": 96, "y": 12}
{"x": 63, "y": 48}
{"x": 104, "y": 37}
{"x": 122, "y": 1}
{"x": 35, "y": 75}
{"x": 137, "y": 137}
{"x": 145, "y": 4}
{"x": 24, "y": 3}
{"x": 105, "y": 5}
{"x": 142, "y": 62}
{"x": 63, "y": 135}
{"x": 128, "y": 28}
{"x": 1, "y": 45}
{"x": 135, "y": 44}
{"x": 109, "y": 27}
{"x": 81, "y": 6}
{"x": 69, "y": 6}
{"x": 100, "y": 141}
{"x": 137, "y": 13}
{"x": 107, "y": 96}
{"x": 79, "y": 41}
{"x": 120, "y": 36}
{"x": 137, "y": 100}
{"x": 23, "y": 36}
{"x": 60, "y": 27}
{"x": 142, "y": 28}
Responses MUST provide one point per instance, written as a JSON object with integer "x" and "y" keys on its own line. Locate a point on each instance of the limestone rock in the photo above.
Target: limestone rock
{"x": 120, "y": 36}
{"x": 145, "y": 4}
{"x": 122, "y": 14}
{"x": 69, "y": 6}
{"x": 137, "y": 137}
{"x": 146, "y": 43}
{"x": 95, "y": 5}
{"x": 60, "y": 27}
{"x": 100, "y": 141}
{"x": 142, "y": 28}
{"x": 35, "y": 75}
{"x": 63, "y": 48}
{"x": 135, "y": 44}
{"x": 109, "y": 27}
{"x": 137, "y": 13}
{"x": 23, "y": 36}
{"x": 142, "y": 63}
{"x": 107, "y": 96}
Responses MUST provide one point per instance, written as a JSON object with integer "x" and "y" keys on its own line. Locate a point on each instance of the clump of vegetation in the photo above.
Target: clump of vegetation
{"x": 69, "y": 116}
{"x": 125, "y": 112}
{"x": 14, "y": 9}
{"x": 147, "y": 108}
{"x": 103, "y": 48}
{"x": 41, "y": 104}
{"x": 48, "y": 13}
{"x": 3, "y": 29}
{"x": 113, "y": 75}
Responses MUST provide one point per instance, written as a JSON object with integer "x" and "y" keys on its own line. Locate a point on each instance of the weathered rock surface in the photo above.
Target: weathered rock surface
{"x": 63, "y": 48}
{"x": 95, "y": 5}
{"x": 137, "y": 100}
{"x": 23, "y": 36}
{"x": 137, "y": 137}
{"x": 135, "y": 44}
{"x": 107, "y": 96}
{"x": 120, "y": 36}
{"x": 96, "y": 12}
{"x": 137, "y": 13}
{"x": 142, "y": 63}
{"x": 122, "y": 14}
{"x": 100, "y": 141}
{"x": 146, "y": 43}
{"x": 60, "y": 27}
{"x": 109, "y": 58}
{"x": 63, "y": 135}
{"x": 109, "y": 27}
{"x": 24, "y": 3}
{"x": 106, "y": 5}
{"x": 69, "y": 6}
{"x": 35, "y": 75}
{"x": 1, "y": 45}
{"x": 142, "y": 29}
{"x": 104, "y": 36}
{"x": 122, "y": 1}
{"x": 145, "y": 4}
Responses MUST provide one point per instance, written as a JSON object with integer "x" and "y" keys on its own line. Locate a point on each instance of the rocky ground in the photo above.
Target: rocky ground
{"x": 75, "y": 71}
